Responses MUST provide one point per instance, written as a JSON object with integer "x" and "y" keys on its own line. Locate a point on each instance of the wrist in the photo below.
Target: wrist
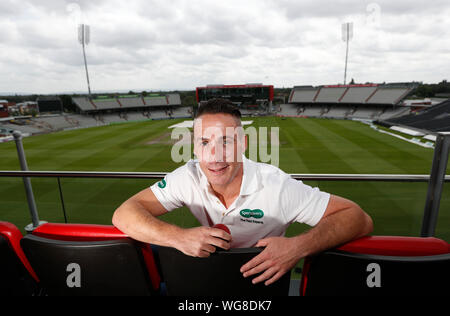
{"x": 303, "y": 245}
{"x": 176, "y": 237}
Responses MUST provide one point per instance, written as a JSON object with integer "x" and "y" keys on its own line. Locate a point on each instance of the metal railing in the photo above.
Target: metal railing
{"x": 160, "y": 175}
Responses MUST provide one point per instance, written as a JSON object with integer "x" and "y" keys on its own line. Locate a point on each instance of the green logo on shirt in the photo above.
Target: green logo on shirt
{"x": 247, "y": 213}
{"x": 162, "y": 184}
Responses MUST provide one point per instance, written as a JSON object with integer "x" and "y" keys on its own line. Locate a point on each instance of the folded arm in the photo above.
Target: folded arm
{"x": 137, "y": 217}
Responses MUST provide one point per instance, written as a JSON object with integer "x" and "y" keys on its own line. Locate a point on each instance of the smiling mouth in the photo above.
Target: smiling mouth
{"x": 218, "y": 171}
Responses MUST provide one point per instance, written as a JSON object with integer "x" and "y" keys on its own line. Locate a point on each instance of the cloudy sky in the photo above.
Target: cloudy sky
{"x": 180, "y": 44}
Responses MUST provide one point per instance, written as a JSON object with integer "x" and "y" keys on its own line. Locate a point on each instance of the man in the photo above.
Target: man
{"x": 256, "y": 201}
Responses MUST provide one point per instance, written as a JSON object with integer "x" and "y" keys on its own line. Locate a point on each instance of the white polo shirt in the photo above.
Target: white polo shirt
{"x": 268, "y": 202}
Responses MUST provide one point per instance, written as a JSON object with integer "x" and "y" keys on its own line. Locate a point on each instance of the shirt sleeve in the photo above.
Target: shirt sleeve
{"x": 303, "y": 203}
{"x": 169, "y": 191}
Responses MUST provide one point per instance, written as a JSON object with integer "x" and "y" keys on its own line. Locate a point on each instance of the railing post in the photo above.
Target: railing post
{"x": 435, "y": 184}
{"x": 62, "y": 200}
{"x": 26, "y": 181}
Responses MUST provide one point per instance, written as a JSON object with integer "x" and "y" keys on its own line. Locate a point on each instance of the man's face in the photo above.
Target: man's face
{"x": 219, "y": 145}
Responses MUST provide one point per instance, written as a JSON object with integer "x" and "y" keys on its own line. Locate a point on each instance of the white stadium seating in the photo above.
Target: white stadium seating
{"x": 304, "y": 95}
{"x": 131, "y": 102}
{"x": 83, "y": 103}
{"x": 86, "y": 104}
{"x": 358, "y": 94}
{"x": 361, "y": 101}
{"x": 330, "y": 95}
{"x": 388, "y": 95}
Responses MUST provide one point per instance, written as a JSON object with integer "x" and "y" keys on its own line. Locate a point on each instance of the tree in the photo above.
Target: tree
{"x": 424, "y": 91}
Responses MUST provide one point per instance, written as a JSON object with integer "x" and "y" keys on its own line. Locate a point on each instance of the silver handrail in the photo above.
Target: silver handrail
{"x": 160, "y": 175}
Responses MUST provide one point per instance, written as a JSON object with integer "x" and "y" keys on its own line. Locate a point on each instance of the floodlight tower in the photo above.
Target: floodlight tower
{"x": 83, "y": 38}
{"x": 347, "y": 34}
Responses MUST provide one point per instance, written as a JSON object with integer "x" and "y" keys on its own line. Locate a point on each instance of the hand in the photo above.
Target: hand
{"x": 202, "y": 241}
{"x": 280, "y": 255}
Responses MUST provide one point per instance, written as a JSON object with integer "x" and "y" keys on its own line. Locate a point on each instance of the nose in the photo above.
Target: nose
{"x": 214, "y": 152}
{"x": 217, "y": 152}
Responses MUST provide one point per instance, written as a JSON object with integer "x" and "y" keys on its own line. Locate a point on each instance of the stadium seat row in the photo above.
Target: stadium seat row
{"x": 83, "y": 259}
{"x": 350, "y": 94}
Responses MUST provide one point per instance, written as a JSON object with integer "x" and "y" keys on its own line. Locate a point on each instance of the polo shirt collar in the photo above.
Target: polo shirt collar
{"x": 251, "y": 178}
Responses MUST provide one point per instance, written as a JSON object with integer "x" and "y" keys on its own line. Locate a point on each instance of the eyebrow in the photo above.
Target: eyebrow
{"x": 223, "y": 137}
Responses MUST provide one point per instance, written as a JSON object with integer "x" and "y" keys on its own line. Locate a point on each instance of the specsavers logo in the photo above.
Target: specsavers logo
{"x": 247, "y": 214}
{"x": 162, "y": 184}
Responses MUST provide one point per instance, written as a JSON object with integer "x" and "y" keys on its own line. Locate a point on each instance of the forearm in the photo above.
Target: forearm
{"x": 334, "y": 230}
{"x": 342, "y": 221}
{"x": 137, "y": 222}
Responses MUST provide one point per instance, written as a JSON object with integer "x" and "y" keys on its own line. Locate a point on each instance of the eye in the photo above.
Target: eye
{"x": 228, "y": 141}
{"x": 204, "y": 143}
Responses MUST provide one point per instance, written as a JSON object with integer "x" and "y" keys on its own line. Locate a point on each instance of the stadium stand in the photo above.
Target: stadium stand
{"x": 288, "y": 110}
{"x": 388, "y": 95}
{"x": 134, "y": 116}
{"x": 130, "y": 101}
{"x": 101, "y": 110}
{"x": 181, "y": 112}
{"x": 358, "y": 94}
{"x": 361, "y": 101}
{"x": 330, "y": 94}
{"x": 336, "y": 112}
{"x": 99, "y": 103}
{"x": 382, "y": 94}
{"x": 84, "y": 104}
{"x": 174, "y": 99}
{"x": 303, "y": 94}
{"x": 107, "y": 104}
{"x": 434, "y": 119}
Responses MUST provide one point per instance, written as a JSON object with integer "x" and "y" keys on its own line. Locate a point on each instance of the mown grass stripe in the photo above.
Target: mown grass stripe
{"x": 347, "y": 146}
{"x": 317, "y": 151}
{"x": 406, "y": 156}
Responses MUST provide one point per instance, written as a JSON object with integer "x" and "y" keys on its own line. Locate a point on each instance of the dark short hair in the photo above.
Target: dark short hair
{"x": 216, "y": 106}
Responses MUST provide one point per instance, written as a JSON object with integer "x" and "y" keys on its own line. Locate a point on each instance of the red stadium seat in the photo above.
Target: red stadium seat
{"x": 101, "y": 250}
{"x": 78, "y": 232}
{"x": 379, "y": 265}
{"x": 16, "y": 275}
{"x": 397, "y": 246}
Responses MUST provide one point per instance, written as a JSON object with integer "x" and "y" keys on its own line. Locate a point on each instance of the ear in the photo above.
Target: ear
{"x": 195, "y": 151}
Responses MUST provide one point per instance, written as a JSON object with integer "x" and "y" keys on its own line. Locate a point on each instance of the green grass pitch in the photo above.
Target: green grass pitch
{"x": 306, "y": 146}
